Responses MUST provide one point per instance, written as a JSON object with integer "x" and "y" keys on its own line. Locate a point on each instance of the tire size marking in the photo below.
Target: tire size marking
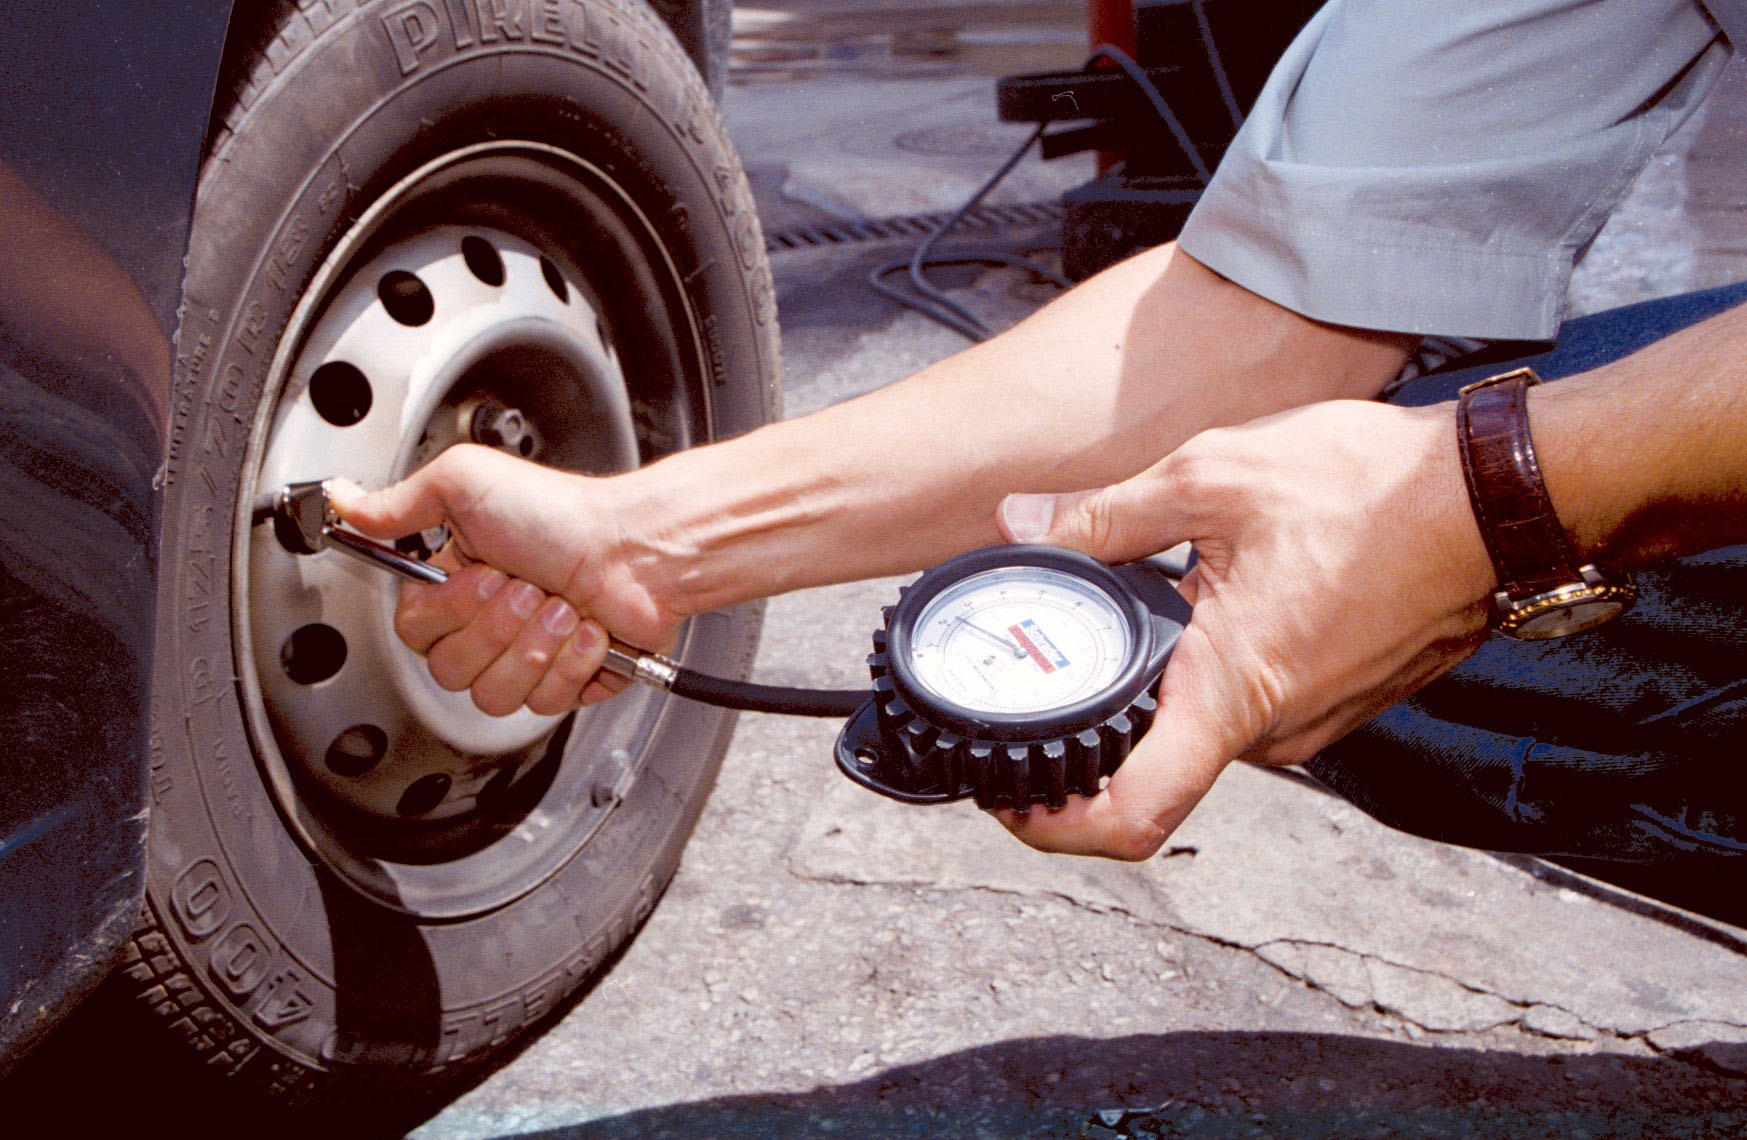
{"x": 158, "y": 763}
{"x": 203, "y": 682}
{"x": 280, "y": 265}
{"x": 249, "y": 332}
{"x": 198, "y": 594}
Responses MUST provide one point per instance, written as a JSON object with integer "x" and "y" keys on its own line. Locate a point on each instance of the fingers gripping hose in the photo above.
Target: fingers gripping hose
{"x": 305, "y": 523}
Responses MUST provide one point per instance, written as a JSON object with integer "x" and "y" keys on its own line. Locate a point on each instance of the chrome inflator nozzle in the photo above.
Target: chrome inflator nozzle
{"x": 305, "y": 523}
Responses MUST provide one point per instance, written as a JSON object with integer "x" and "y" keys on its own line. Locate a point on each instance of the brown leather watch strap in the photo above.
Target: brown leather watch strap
{"x": 1529, "y": 548}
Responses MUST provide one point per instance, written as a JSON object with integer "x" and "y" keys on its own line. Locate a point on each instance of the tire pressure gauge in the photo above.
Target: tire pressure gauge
{"x": 1015, "y": 675}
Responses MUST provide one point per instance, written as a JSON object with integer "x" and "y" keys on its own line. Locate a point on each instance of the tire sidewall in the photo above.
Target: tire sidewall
{"x": 263, "y": 933}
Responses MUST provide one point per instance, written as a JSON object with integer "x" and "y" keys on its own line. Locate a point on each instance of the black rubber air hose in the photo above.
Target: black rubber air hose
{"x": 748, "y": 697}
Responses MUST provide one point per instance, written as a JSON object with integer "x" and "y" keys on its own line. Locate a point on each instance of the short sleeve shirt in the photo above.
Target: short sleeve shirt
{"x": 1437, "y": 166}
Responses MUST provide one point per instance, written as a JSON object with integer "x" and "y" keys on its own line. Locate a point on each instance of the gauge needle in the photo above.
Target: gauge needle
{"x": 1004, "y": 642}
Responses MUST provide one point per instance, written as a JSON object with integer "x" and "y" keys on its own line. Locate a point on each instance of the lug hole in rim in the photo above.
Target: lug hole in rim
{"x": 405, "y": 297}
{"x": 483, "y": 259}
{"x": 313, "y": 653}
{"x": 424, "y": 794}
{"x": 357, "y": 750}
{"x": 554, "y": 280}
{"x": 341, "y": 393}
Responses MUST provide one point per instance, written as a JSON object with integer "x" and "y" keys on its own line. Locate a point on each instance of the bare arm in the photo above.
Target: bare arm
{"x": 1091, "y": 389}
{"x": 1646, "y": 458}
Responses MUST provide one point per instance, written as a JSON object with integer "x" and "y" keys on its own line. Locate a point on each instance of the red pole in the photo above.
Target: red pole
{"x": 1110, "y": 22}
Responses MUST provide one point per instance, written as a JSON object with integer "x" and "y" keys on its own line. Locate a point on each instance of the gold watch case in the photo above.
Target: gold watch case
{"x": 1564, "y": 610}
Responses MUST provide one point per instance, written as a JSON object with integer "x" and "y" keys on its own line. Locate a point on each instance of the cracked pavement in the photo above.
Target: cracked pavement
{"x": 829, "y": 962}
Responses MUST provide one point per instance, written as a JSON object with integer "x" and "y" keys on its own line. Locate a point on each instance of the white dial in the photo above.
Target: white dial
{"x": 1022, "y": 639}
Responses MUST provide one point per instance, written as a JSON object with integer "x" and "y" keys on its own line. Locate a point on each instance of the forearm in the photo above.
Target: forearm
{"x": 1646, "y": 458}
{"x": 1089, "y": 390}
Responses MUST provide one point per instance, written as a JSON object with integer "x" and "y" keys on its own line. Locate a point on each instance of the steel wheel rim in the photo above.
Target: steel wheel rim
{"x": 564, "y": 776}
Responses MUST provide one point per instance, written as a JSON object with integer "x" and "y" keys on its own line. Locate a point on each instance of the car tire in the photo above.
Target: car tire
{"x": 281, "y": 941}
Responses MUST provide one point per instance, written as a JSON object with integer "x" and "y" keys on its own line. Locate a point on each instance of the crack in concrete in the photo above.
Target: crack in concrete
{"x": 1363, "y": 981}
{"x": 843, "y": 879}
{"x": 1443, "y": 939}
{"x": 1718, "y": 1044}
{"x": 1429, "y": 1000}
{"x": 1425, "y": 1000}
{"x": 1395, "y": 995}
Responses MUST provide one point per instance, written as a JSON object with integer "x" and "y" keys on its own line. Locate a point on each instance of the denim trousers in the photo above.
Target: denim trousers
{"x": 1622, "y": 751}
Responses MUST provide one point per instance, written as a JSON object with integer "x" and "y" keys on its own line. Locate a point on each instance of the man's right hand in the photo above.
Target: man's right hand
{"x": 1340, "y": 569}
{"x": 536, "y": 579}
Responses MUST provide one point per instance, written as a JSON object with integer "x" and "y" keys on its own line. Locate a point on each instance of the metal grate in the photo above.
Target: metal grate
{"x": 917, "y": 226}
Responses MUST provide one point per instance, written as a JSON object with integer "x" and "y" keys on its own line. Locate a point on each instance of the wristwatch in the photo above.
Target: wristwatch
{"x": 1543, "y": 591}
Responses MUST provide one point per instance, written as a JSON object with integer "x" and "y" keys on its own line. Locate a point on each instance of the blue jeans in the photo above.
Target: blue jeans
{"x": 1622, "y": 751}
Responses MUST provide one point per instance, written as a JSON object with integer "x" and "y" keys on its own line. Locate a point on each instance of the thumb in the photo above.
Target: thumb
{"x": 434, "y": 494}
{"x": 1170, "y": 770}
{"x": 1119, "y": 523}
{"x": 408, "y": 506}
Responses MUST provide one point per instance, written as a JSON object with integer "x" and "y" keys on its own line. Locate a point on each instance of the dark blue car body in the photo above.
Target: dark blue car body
{"x": 105, "y": 111}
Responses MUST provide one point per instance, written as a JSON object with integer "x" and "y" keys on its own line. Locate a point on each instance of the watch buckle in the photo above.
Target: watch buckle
{"x": 1525, "y": 374}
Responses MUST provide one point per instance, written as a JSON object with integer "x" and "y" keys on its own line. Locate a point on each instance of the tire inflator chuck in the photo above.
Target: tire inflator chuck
{"x": 305, "y": 523}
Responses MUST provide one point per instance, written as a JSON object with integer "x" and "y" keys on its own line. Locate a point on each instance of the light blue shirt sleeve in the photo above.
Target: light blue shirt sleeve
{"x": 1437, "y": 166}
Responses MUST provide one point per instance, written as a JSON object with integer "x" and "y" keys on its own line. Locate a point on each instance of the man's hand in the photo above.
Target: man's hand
{"x": 1340, "y": 569}
{"x": 512, "y": 631}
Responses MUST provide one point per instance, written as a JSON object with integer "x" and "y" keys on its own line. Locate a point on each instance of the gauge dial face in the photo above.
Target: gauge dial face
{"x": 1022, "y": 639}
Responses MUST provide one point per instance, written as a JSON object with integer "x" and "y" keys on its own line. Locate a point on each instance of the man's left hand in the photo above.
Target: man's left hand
{"x": 1340, "y": 569}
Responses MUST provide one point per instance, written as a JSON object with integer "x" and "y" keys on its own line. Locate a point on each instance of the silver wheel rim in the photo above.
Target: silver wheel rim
{"x": 408, "y": 792}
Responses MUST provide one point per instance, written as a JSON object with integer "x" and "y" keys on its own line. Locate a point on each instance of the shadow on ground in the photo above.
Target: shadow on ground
{"x": 103, "y": 1079}
{"x": 1211, "y": 1084}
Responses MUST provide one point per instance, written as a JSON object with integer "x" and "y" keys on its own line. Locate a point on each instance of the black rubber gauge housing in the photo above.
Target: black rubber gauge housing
{"x": 916, "y": 744}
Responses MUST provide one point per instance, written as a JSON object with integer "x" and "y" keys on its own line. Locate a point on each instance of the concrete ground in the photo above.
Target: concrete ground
{"x": 828, "y": 963}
